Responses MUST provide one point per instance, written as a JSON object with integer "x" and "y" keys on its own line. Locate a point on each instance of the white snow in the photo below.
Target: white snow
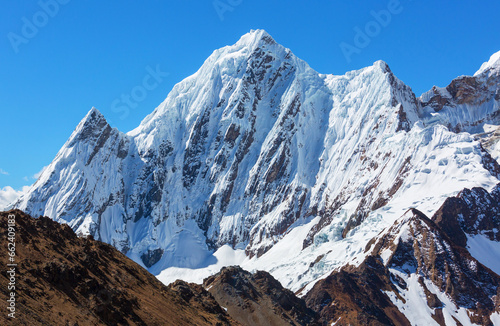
{"x": 415, "y": 307}
{"x": 336, "y": 322}
{"x": 486, "y": 251}
{"x": 225, "y": 256}
{"x": 495, "y": 318}
{"x": 493, "y": 62}
{"x": 450, "y": 310}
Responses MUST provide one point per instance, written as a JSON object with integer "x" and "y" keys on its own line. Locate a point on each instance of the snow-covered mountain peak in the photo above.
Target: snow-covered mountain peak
{"x": 245, "y": 46}
{"x": 382, "y": 65}
{"x": 254, "y": 62}
{"x": 93, "y": 123}
{"x": 92, "y": 116}
{"x": 468, "y": 103}
{"x": 379, "y": 69}
{"x": 254, "y": 37}
{"x": 94, "y": 112}
{"x": 493, "y": 63}
{"x": 256, "y": 40}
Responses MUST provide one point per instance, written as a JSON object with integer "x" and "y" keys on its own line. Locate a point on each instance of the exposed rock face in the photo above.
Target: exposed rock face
{"x": 194, "y": 295}
{"x": 258, "y": 299}
{"x": 414, "y": 258}
{"x": 421, "y": 247}
{"x": 472, "y": 211}
{"x": 467, "y": 103}
{"x": 62, "y": 279}
{"x": 353, "y": 296}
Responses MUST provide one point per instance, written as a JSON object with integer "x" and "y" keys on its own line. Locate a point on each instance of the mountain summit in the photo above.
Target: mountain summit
{"x": 493, "y": 63}
{"x": 260, "y": 156}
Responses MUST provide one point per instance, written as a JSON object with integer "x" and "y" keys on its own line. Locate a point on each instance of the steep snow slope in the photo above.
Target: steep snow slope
{"x": 259, "y": 152}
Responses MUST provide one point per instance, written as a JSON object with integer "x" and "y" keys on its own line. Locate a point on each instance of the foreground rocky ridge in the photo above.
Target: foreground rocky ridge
{"x": 62, "y": 279}
{"x": 473, "y": 211}
{"x": 258, "y": 299}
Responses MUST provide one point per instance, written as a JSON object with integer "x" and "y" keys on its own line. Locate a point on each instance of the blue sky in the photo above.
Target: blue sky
{"x": 58, "y": 61}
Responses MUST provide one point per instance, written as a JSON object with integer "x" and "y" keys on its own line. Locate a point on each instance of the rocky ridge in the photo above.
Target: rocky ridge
{"x": 258, "y": 299}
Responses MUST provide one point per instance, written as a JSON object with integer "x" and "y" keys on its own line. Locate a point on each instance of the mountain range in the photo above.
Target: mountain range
{"x": 257, "y": 160}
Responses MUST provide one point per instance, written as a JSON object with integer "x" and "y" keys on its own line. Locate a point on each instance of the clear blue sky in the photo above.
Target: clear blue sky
{"x": 91, "y": 52}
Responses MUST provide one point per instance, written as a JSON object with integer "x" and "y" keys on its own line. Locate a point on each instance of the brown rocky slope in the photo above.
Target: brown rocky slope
{"x": 62, "y": 279}
{"x": 258, "y": 298}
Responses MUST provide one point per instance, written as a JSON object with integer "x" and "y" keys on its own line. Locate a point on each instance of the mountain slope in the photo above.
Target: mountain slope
{"x": 415, "y": 274}
{"x": 259, "y": 152}
{"x": 257, "y": 299}
{"x": 62, "y": 279}
{"x": 472, "y": 220}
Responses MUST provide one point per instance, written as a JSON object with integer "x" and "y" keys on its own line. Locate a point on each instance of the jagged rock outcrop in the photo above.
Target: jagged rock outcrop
{"x": 468, "y": 102}
{"x": 473, "y": 211}
{"x": 258, "y": 299}
{"x": 354, "y": 296}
